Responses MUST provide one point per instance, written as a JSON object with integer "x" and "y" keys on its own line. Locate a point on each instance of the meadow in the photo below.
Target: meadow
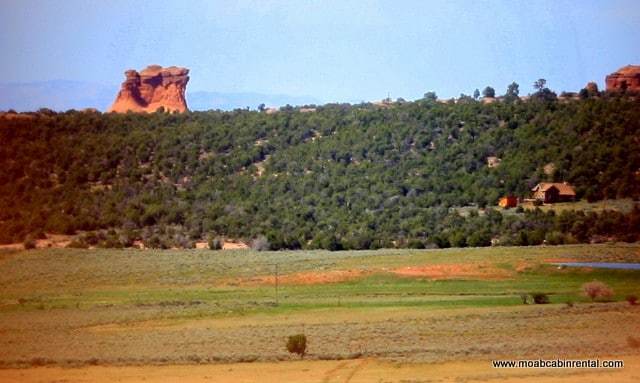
{"x": 78, "y": 308}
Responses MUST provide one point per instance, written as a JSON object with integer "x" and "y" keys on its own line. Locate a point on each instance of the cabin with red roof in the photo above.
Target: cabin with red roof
{"x": 548, "y": 192}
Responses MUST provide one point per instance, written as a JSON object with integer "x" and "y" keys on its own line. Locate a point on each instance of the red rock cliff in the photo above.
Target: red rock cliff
{"x": 152, "y": 88}
{"x": 627, "y": 78}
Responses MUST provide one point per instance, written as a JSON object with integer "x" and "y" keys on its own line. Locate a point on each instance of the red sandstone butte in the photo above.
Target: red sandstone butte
{"x": 152, "y": 88}
{"x": 626, "y": 78}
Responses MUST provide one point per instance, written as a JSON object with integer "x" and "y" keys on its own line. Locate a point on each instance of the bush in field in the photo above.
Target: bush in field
{"x": 77, "y": 244}
{"x": 596, "y": 289}
{"x": 29, "y": 242}
{"x": 632, "y": 299}
{"x": 260, "y": 244}
{"x": 540, "y": 298}
{"x": 524, "y": 296}
{"x": 297, "y": 344}
{"x": 216, "y": 243}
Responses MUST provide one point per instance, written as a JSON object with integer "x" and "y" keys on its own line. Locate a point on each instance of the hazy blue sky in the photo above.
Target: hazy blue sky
{"x": 344, "y": 51}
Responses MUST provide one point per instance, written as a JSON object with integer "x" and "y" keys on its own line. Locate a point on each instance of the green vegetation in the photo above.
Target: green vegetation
{"x": 540, "y": 298}
{"x": 404, "y": 175}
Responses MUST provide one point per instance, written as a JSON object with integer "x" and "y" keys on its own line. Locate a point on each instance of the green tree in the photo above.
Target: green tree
{"x": 513, "y": 91}
{"x": 480, "y": 238}
{"x": 540, "y": 84}
{"x": 584, "y": 94}
{"x": 430, "y": 96}
{"x": 542, "y": 92}
{"x": 489, "y": 92}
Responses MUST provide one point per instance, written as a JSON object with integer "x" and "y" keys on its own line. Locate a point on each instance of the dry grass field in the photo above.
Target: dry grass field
{"x": 377, "y": 316}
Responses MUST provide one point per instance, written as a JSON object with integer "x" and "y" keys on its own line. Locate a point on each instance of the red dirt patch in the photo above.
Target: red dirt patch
{"x": 446, "y": 271}
{"x": 227, "y": 245}
{"x": 319, "y": 278}
{"x": 453, "y": 271}
{"x": 310, "y": 278}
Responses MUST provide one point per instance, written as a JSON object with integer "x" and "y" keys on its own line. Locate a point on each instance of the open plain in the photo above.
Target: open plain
{"x": 373, "y": 316}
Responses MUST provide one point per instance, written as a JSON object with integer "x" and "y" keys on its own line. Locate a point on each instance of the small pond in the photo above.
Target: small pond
{"x": 633, "y": 266}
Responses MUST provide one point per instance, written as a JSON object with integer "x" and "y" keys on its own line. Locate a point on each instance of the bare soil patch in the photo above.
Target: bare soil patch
{"x": 307, "y": 278}
{"x": 352, "y": 371}
{"x": 227, "y": 245}
{"x": 454, "y": 271}
{"x": 438, "y": 271}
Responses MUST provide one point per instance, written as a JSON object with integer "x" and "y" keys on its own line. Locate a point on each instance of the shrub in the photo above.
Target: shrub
{"x": 297, "y": 344}
{"x": 524, "y": 296}
{"x": 554, "y": 238}
{"x": 596, "y": 289}
{"x": 77, "y": 244}
{"x": 90, "y": 238}
{"x": 216, "y": 243}
{"x": 632, "y": 299}
{"x": 29, "y": 242}
{"x": 540, "y": 298}
{"x": 260, "y": 244}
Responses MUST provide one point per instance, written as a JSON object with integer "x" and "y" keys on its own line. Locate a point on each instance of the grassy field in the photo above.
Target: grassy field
{"x": 70, "y": 307}
{"x": 624, "y": 205}
{"x": 73, "y": 278}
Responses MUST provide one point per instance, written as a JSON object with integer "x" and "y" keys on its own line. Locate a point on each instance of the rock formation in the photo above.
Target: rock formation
{"x": 152, "y": 88}
{"x": 626, "y": 78}
{"x": 592, "y": 88}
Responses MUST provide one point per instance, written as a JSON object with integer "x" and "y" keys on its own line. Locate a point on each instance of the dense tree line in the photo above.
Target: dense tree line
{"x": 333, "y": 176}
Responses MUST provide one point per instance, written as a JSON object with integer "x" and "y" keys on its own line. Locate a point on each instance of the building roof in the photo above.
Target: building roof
{"x": 563, "y": 188}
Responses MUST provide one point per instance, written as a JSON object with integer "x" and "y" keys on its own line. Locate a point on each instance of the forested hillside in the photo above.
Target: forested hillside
{"x": 333, "y": 176}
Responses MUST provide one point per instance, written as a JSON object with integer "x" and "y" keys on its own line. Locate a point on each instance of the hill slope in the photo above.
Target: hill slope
{"x": 336, "y": 176}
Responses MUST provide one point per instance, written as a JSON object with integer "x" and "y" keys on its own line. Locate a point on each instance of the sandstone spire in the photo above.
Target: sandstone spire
{"x": 152, "y": 88}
